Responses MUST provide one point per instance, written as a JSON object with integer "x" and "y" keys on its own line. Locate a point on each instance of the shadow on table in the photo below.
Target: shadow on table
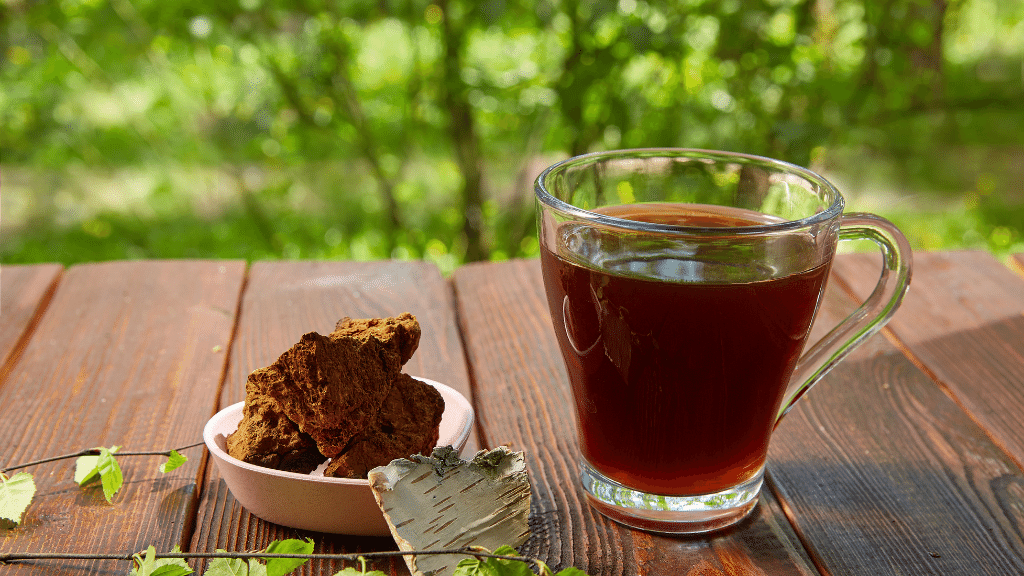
{"x": 881, "y": 470}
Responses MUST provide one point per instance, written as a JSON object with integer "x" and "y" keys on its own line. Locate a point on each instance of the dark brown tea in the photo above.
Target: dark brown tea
{"x": 678, "y": 380}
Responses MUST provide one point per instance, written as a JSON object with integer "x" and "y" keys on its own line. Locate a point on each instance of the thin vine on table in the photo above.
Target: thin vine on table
{"x": 280, "y": 556}
{"x": 17, "y": 491}
{"x": 284, "y": 556}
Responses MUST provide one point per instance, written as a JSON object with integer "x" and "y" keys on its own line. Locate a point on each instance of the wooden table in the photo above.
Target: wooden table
{"x": 906, "y": 459}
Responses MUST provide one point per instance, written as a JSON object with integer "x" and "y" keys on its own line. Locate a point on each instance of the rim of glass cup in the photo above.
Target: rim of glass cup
{"x": 541, "y": 190}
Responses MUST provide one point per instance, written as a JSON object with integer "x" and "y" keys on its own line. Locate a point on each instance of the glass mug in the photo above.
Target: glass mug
{"x": 682, "y": 286}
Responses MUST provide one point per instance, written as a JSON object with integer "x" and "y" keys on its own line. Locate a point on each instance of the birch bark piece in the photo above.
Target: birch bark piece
{"x": 442, "y": 501}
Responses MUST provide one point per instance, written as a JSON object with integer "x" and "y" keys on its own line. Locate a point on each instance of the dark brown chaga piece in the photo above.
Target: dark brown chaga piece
{"x": 407, "y": 424}
{"x": 331, "y": 388}
{"x": 326, "y": 390}
{"x": 266, "y": 437}
{"x": 400, "y": 333}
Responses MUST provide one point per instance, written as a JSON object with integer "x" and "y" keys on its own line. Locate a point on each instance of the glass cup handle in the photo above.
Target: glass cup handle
{"x": 866, "y": 320}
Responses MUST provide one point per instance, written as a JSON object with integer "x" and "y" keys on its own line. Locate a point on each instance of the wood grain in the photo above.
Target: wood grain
{"x": 963, "y": 322}
{"x": 882, "y": 473}
{"x": 24, "y": 292}
{"x": 127, "y": 353}
{"x": 905, "y": 460}
{"x": 282, "y": 301}
{"x": 523, "y": 399}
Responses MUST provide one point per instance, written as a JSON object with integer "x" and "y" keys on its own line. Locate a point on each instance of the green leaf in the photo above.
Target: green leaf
{"x": 475, "y": 567}
{"x": 150, "y": 565}
{"x": 571, "y": 571}
{"x": 142, "y": 565}
{"x": 282, "y": 566}
{"x": 16, "y": 494}
{"x": 226, "y": 567}
{"x": 174, "y": 460}
{"x": 87, "y": 467}
{"x": 350, "y": 571}
{"x": 110, "y": 472}
{"x": 494, "y": 566}
{"x": 256, "y": 568}
{"x": 172, "y": 570}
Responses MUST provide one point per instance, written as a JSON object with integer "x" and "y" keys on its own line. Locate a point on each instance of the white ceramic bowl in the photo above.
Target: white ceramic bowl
{"x": 313, "y": 501}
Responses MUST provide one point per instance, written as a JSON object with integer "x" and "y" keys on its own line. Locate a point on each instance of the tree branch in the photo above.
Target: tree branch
{"x": 96, "y": 452}
{"x": 13, "y": 557}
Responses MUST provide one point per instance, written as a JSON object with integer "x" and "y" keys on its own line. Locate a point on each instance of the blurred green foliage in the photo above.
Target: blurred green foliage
{"x": 413, "y": 128}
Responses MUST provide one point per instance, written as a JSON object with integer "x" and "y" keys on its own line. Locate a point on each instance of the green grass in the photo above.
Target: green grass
{"x": 233, "y": 234}
{"x": 983, "y": 223}
{"x": 308, "y": 212}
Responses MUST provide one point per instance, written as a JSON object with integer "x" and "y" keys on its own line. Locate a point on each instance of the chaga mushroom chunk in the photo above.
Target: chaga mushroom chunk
{"x": 407, "y": 424}
{"x": 400, "y": 334}
{"x": 341, "y": 396}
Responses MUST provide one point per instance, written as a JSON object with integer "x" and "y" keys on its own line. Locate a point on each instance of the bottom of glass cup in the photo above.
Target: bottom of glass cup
{"x": 669, "y": 514}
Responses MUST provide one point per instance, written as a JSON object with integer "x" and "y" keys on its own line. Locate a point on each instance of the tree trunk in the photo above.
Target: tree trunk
{"x": 462, "y": 130}
{"x": 928, "y": 59}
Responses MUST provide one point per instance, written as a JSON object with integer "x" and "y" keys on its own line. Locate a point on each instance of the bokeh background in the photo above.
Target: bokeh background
{"x": 351, "y": 129}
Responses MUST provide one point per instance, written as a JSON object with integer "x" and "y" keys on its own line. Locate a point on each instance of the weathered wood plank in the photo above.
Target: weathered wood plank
{"x": 284, "y": 300}
{"x": 963, "y": 322}
{"x": 523, "y": 399}
{"x": 24, "y": 291}
{"x": 127, "y": 353}
{"x": 883, "y": 473}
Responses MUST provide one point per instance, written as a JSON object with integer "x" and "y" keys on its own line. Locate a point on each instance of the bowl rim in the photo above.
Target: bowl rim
{"x": 210, "y": 434}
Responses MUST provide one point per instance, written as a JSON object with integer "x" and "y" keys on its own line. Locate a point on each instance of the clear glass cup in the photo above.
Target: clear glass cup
{"x": 682, "y": 286}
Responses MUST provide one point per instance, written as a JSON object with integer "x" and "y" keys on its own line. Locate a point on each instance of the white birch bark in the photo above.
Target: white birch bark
{"x": 442, "y": 501}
